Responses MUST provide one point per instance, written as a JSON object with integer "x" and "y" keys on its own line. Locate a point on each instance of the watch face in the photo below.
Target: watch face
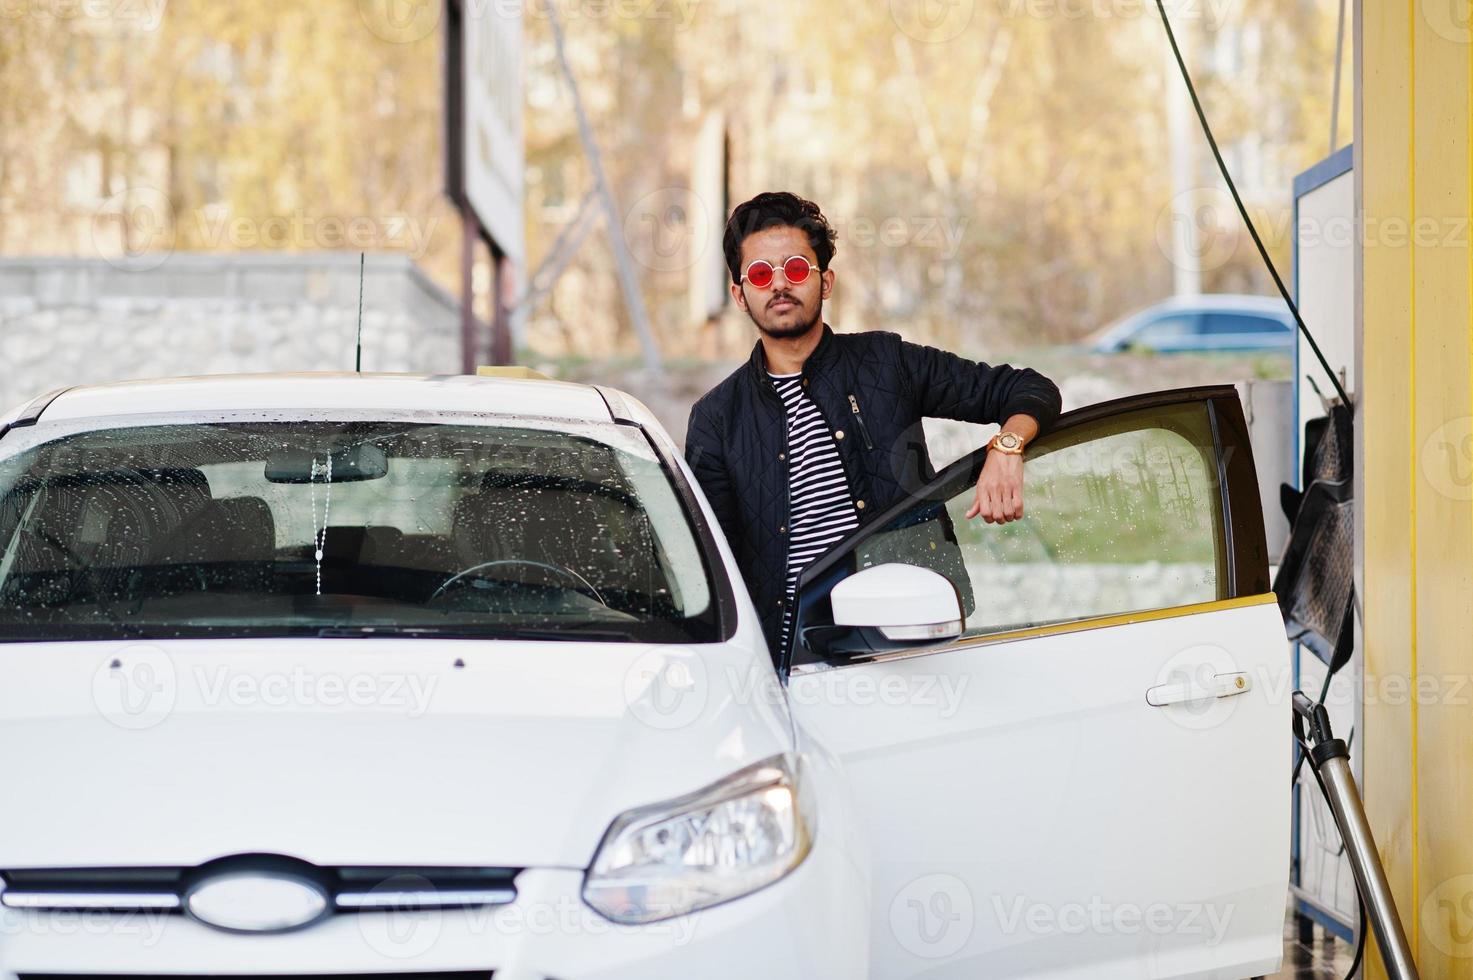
{"x": 1008, "y": 440}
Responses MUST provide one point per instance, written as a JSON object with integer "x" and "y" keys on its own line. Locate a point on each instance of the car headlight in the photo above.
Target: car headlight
{"x": 716, "y": 844}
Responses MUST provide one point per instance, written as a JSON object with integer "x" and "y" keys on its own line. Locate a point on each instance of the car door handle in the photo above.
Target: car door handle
{"x": 1221, "y": 686}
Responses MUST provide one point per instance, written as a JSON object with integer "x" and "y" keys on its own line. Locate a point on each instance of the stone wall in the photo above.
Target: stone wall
{"x": 84, "y": 321}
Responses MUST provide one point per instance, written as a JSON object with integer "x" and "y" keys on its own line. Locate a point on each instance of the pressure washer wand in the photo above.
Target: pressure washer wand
{"x": 1330, "y": 759}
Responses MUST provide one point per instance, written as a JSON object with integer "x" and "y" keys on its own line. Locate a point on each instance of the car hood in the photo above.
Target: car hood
{"x": 362, "y": 752}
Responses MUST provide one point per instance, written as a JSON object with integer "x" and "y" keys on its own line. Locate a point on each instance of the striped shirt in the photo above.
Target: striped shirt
{"x": 821, "y": 506}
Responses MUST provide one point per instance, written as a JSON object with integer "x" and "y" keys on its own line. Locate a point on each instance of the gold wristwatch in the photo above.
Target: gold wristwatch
{"x": 1008, "y": 443}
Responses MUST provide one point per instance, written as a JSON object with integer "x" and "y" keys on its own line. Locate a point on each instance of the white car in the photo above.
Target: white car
{"x": 327, "y": 675}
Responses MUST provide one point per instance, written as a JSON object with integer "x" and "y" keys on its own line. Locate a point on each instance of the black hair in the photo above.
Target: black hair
{"x": 776, "y": 209}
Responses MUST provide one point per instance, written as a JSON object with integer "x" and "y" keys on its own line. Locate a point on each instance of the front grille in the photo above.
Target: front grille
{"x": 351, "y": 889}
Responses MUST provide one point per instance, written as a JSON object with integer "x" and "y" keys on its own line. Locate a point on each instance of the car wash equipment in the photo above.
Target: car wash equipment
{"x": 1329, "y": 760}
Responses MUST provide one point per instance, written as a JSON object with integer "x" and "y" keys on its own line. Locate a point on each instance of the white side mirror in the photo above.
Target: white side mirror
{"x": 906, "y": 603}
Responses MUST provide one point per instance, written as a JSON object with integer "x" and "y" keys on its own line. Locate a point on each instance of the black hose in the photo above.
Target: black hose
{"x": 1243, "y": 211}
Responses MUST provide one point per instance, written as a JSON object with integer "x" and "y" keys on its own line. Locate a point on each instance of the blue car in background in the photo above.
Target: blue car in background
{"x": 1210, "y": 322}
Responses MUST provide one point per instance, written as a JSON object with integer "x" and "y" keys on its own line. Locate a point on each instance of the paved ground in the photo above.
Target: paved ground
{"x": 1324, "y": 958}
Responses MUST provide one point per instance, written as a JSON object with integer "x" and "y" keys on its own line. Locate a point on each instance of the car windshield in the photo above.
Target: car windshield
{"x": 348, "y": 528}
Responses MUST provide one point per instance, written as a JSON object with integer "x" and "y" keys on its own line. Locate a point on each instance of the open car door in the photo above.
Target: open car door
{"x": 1087, "y": 777}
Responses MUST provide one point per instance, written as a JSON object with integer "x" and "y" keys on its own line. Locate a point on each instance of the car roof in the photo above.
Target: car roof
{"x": 1270, "y": 306}
{"x": 318, "y": 391}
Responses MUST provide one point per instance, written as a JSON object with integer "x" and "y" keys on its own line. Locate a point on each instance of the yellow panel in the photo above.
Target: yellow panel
{"x": 1444, "y": 515}
{"x": 1417, "y": 403}
{"x": 1387, "y": 437}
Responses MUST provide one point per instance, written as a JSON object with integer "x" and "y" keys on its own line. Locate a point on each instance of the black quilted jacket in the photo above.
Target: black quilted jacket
{"x": 873, "y": 389}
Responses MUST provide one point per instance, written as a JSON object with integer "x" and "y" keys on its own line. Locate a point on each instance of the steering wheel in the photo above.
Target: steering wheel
{"x": 559, "y": 569}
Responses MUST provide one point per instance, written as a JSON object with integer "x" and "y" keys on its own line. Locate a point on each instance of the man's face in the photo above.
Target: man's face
{"x": 782, "y": 309}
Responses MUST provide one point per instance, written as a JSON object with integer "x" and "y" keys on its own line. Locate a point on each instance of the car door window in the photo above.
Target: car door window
{"x": 1123, "y": 512}
{"x": 1114, "y": 521}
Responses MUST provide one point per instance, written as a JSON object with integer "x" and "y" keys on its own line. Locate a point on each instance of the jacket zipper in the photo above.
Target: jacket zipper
{"x": 787, "y": 536}
{"x": 863, "y": 429}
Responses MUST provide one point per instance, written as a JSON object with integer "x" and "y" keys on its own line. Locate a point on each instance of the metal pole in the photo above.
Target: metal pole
{"x": 623, "y": 261}
{"x": 472, "y": 235}
{"x": 1370, "y": 877}
{"x": 1331, "y": 759}
{"x": 501, "y": 339}
{"x": 1335, "y": 97}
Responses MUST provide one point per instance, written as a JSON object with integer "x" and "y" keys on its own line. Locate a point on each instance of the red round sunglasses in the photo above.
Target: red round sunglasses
{"x": 795, "y": 271}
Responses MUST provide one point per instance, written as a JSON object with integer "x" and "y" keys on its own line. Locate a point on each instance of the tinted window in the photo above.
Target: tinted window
{"x": 1166, "y": 329}
{"x": 1240, "y": 323}
{"x": 283, "y": 528}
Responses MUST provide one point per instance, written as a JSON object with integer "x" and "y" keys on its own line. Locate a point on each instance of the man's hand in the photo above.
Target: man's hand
{"x": 999, "y": 489}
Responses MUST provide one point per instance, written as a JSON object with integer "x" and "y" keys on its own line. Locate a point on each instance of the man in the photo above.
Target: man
{"x": 820, "y": 430}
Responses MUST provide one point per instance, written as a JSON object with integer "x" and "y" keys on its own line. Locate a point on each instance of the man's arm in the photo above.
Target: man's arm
{"x": 1022, "y": 400}
{"x": 704, "y": 455}
{"x": 948, "y": 386}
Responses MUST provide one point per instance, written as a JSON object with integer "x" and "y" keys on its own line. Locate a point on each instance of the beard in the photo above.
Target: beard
{"x": 785, "y": 328}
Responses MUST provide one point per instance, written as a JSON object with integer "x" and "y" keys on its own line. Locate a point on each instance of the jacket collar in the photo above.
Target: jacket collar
{"x": 820, "y": 356}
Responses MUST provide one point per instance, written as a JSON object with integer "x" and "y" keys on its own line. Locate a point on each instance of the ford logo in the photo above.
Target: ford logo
{"x": 256, "y": 902}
